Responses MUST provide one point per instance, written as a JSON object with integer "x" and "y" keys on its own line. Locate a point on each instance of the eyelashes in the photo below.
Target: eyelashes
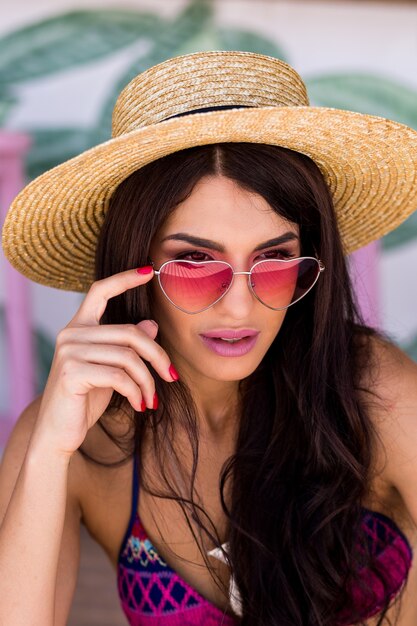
{"x": 199, "y": 255}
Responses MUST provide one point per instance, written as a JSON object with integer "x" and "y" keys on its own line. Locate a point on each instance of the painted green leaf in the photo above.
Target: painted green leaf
{"x": 167, "y": 43}
{"x": 202, "y": 40}
{"x": 230, "y": 39}
{"x": 70, "y": 39}
{"x": 214, "y": 38}
{"x": 50, "y": 147}
{"x": 365, "y": 93}
{"x": 7, "y": 100}
{"x": 44, "y": 351}
{"x": 405, "y": 233}
{"x": 410, "y": 348}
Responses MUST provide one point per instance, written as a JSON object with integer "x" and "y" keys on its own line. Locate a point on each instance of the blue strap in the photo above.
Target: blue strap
{"x": 135, "y": 488}
{"x": 135, "y": 499}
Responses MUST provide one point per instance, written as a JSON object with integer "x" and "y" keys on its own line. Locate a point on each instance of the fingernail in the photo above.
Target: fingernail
{"x": 146, "y": 269}
{"x": 155, "y": 401}
{"x": 173, "y": 372}
{"x": 143, "y": 406}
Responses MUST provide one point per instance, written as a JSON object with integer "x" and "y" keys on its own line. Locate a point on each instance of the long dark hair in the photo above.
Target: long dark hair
{"x": 293, "y": 488}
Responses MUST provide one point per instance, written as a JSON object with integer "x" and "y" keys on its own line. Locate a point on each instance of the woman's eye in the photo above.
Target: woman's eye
{"x": 195, "y": 255}
{"x": 274, "y": 254}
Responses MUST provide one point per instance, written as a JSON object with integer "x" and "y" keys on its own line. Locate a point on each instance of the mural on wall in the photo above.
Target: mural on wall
{"x": 81, "y": 37}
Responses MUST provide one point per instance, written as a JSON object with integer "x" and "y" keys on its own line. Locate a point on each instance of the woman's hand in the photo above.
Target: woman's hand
{"x": 92, "y": 360}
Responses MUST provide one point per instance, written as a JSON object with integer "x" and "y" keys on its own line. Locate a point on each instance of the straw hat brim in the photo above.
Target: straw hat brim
{"x": 369, "y": 164}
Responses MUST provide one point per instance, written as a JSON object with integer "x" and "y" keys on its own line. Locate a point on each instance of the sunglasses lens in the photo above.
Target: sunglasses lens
{"x": 195, "y": 286}
{"x": 280, "y": 283}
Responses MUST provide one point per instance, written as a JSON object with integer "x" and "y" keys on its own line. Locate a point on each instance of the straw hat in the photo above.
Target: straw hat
{"x": 368, "y": 162}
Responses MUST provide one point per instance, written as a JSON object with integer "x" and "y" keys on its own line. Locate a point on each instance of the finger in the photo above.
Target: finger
{"x": 129, "y": 335}
{"x": 85, "y": 377}
{"x": 116, "y": 356}
{"x": 100, "y": 292}
{"x": 150, "y": 327}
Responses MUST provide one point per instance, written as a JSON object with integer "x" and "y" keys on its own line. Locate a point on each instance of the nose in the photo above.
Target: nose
{"x": 239, "y": 300}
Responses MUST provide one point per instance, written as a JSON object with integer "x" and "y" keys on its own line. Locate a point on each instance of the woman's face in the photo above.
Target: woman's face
{"x": 234, "y": 222}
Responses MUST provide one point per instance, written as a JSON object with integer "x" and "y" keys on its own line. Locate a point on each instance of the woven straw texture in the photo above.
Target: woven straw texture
{"x": 368, "y": 162}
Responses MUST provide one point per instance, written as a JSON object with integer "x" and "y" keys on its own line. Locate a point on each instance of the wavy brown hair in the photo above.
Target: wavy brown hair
{"x": 293, "y": 488}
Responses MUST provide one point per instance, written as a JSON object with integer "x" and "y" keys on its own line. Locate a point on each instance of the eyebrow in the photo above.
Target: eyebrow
{"x": 213, "y": 245}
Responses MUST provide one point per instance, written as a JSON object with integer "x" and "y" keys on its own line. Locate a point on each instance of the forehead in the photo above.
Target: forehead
{"x": 218, "y": 208}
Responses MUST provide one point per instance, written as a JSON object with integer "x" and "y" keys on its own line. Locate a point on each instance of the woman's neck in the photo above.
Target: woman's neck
{"x": 217, "y": 410}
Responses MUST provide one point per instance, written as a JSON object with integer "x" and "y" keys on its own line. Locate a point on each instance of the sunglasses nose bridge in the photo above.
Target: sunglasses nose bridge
{"x": 248, "y": 274}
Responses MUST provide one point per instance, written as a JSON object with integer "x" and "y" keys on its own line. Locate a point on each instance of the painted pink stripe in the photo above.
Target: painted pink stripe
{"x": 364, "y": 266}
{"x": 19, "y": 349}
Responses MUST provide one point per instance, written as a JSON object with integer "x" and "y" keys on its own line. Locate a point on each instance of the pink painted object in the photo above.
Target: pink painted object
{"x": 19, "y": 348}
{"x": 364, "y": 266}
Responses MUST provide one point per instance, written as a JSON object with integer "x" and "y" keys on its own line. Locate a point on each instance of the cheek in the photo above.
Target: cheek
{"x": 274, "y": 323}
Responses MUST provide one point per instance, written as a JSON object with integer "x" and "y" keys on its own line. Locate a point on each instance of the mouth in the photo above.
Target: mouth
{"x": 231, "y": 334}
{"x": 222, "y": 344}
{"x": 228, "y": 340}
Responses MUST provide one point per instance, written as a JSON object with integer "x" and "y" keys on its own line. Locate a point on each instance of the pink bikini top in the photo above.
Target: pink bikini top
{"x": 152, "y": 593}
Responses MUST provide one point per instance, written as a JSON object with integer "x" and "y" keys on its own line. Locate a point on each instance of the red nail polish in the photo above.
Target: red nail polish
{"x": 143, "y": 406}
{"x": 155, "y": 401}
{"x": 173, "y": 372}
{"x": 146, "y": 269}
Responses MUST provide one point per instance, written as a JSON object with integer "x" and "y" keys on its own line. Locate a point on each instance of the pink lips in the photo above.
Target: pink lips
{"x": 230, "y": 333}
{"x": 247, "y": 339}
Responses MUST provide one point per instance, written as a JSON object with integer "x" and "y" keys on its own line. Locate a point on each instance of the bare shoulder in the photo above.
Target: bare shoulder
{"x": 392, "y": 380}
{"x": 103, "y": 468}
{"x": 104, "y": 481}
{"x": 392, "y": 377}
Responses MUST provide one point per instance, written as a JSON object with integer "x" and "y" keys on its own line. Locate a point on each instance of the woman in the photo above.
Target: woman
{"x": 218, "y": 365}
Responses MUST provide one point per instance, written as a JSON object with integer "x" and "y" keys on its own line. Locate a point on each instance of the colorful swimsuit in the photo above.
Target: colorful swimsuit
{"x": 152, "y": 593}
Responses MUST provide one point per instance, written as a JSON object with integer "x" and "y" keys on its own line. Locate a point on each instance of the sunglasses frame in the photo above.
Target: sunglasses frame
{"x": 249, "y": 273}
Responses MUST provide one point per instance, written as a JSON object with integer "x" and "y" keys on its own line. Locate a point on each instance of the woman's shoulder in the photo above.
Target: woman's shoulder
{"x": 390, "y": 381}
{"x": 105, "y": 457}
{"x": 389, "y": 385}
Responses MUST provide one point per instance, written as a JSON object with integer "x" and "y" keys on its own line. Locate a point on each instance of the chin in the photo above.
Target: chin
{"x": 228, "y": 370}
